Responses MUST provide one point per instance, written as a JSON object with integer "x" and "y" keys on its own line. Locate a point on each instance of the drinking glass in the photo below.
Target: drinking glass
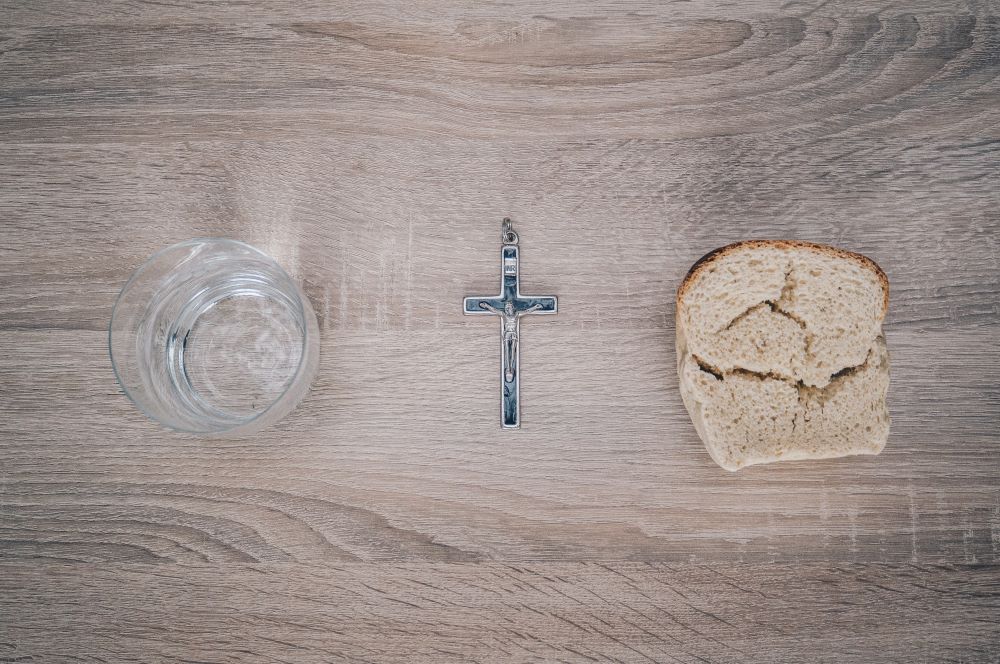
{"x": 211, "y": 336}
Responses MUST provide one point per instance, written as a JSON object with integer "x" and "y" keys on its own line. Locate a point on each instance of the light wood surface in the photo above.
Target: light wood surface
{"x": 494, "y": 612}
{"x": 372, "y": 147}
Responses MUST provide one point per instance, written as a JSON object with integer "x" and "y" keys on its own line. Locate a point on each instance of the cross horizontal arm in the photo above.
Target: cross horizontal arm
{"x": 540, "y": 305}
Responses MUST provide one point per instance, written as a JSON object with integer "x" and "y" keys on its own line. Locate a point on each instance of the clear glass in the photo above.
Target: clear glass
{"x": 211, "y": 336}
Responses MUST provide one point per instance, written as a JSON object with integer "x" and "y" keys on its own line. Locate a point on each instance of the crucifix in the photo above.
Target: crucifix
{"x": 510, "y": 305}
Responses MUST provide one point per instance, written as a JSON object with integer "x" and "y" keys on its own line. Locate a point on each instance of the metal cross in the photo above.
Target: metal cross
{"x": 510, "y": 305}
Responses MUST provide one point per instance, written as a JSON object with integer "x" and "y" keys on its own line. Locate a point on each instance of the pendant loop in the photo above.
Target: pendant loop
{"x": 508, "y": 236}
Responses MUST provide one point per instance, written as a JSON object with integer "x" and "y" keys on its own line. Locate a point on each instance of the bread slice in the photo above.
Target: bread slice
{"x": 780, "y": 352}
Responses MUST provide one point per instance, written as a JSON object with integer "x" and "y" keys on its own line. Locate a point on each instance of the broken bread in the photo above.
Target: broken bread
{"x": 780, "y": 352}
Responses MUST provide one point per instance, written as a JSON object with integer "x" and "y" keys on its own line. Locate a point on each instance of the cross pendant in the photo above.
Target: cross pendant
{"x": 510, "y": 305}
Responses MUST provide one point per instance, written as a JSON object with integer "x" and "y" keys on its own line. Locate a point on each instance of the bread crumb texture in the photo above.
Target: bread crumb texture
{"x": 781, "y": 354}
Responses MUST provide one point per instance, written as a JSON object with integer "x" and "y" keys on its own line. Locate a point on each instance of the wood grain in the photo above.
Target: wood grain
{"x": 491, "y": 612}
{"x": 372, "y": 147}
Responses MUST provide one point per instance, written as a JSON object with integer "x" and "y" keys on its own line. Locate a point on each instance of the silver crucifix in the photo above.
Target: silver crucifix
{"x": 510, "y": 305}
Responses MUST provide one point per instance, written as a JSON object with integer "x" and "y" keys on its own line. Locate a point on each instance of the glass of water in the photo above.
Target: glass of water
{"x": 211, "y": 336}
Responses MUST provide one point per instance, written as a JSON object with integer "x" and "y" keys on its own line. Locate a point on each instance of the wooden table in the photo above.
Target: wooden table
{"x": 372, "y": 147}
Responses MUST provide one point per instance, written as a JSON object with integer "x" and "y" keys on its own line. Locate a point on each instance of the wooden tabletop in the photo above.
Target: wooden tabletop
{"x": 372, "y": 147}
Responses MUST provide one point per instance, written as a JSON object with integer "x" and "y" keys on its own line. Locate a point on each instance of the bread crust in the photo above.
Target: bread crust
{"x": 712, "y": 256}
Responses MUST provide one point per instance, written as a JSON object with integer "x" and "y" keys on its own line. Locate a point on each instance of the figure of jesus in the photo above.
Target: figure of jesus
{"x": 508, "y": 332}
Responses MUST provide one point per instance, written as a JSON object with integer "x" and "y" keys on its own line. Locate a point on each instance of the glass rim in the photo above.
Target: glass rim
{"x": 299, "y": 310}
